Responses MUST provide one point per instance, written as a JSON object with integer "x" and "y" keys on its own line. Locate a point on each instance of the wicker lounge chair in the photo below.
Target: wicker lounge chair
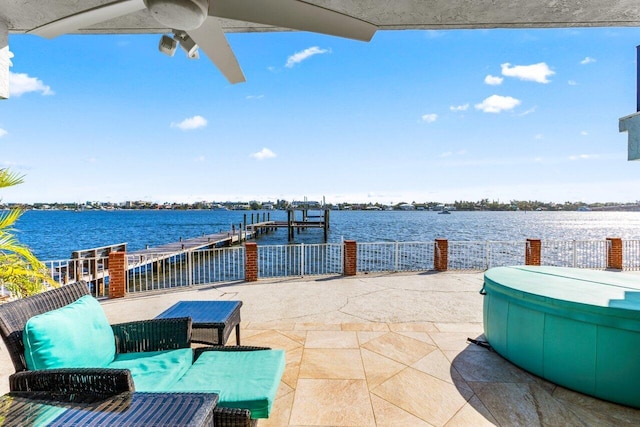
{"x": 140, "y": 336}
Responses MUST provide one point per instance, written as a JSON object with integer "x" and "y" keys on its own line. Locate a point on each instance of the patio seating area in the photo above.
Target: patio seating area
{"x": 382, "y": 350}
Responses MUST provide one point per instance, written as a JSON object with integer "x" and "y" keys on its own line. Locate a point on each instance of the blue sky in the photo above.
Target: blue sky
{"x": 410, "y": 116}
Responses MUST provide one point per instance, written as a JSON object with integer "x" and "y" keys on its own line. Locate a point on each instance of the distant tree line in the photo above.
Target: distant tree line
{"x": 458, "y": 205}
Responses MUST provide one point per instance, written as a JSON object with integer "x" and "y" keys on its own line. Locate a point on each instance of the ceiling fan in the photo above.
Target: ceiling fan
{"x": 196, "y": 21}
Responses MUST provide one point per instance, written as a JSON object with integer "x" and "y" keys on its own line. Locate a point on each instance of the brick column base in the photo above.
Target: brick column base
{"x": 251, "y": 261}
{"x": 441, "y": 255}
{"x": 533, "y": 252}
{"x": 614, "y": 253}
{"x": 350, "y": 258}
{"x": 117, "y": 274}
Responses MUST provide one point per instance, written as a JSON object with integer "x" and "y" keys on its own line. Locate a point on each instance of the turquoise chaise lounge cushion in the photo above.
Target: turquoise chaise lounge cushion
{"x": 243, "y": 379}
{"x": 155, "y": 370}
{"x": 77, "y": 335}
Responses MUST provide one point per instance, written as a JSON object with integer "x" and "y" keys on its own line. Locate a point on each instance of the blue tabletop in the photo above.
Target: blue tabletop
{"x": 202, "y": 311}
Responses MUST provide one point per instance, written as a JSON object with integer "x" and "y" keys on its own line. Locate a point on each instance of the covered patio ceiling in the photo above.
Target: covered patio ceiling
{"x": 24, "y": 15}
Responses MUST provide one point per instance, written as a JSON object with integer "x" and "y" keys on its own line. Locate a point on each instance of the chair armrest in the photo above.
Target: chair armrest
{"x": 84, "y": 381}
{"x": 152, "y": 335}
{"x": 232, "y": 417}
{"x": 199, "y": 350}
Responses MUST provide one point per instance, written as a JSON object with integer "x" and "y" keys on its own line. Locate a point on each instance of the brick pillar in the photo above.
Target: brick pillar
{"x": 350, "y": 258}
{"x": 117, "y": 274}
{"x": 441, "y": 255}
{"x": 614, "y": 253}
{"x": 533, "y": 252}
{"x": 251, "y": 261}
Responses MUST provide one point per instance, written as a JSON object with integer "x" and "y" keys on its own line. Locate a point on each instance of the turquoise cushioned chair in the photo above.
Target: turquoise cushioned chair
{"x": 149, "y": 355}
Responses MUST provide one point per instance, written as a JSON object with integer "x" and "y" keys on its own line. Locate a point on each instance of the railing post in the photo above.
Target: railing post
{"x": 441, "y": 255}
{"x": 397, "y": 256}
{"x": 614, "y": 253}
{"x": 350, "y": 258}
{"x": 302, "y": 259}
{"x": 251, "y": 262}
{"x": 487, "y": 255}
{"x": 533, "y": 252}
{"x": 190, "y": 271}
{"x": 575, "y": 254}
{"x": 117, "y": 274}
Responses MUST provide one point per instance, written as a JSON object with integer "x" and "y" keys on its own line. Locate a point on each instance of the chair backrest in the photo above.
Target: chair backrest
{"x": 14, "y": 316}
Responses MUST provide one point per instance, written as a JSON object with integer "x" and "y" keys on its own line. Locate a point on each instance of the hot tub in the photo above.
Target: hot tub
{"x": 576, "y": 328}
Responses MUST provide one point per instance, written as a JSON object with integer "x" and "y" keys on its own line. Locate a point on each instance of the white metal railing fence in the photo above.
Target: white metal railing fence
{"x": 631, "y": 254}
{"x": 394, "y": 256}
{"x": 575, "y": 253}
{"x": 481, "y": 255}
{"x": 300, "y": 260}
{"x": 94, "y": 271}
{"x": 163, "y": 271}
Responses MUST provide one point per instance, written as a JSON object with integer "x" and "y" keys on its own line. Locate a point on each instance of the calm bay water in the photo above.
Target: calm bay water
{"x": 55, "y": 234}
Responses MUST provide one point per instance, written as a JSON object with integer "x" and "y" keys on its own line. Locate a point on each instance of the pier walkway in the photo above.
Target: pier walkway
{"x": 92, "y": 265}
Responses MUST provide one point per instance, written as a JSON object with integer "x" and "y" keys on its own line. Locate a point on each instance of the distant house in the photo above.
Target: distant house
{"x": 406, "y": 207}
{"x": 239, "y": 206}
{"x": 268, "y": 206}
{"x": 310, "y": 204}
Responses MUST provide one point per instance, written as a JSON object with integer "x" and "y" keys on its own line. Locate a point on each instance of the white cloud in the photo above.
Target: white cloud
{"x": 265, "y": 153}
{"x": 3, "y": 132}
{"x": 497, "y": 104}
{"x": 538, "y": 136}
{"x": 583, "y": 157}
{"x": 572, "y": 83}
{"x": 493, "y": 80}
{"x": 190, "y": 123}
{"x": 429, "y": 118}
{"x": 255, "y": 96}
{"x": 529, "y": 111}
{"x": 588, "y": 60}
{"x": 535, "y": 72}
{"x": 459, "y": 107}
{"x": 92, "y": 160}
{"x": 584, "y": 133}
{"x": 298, "y": 57}
{"x": 434, "y": 34}
{"x": 452, "y": 153}
{"x": 21, "y": 83}
{"x": 199, "y": 159}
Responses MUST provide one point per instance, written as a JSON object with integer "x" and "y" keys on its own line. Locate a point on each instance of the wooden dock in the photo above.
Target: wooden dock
{"x": 92, "y": 265}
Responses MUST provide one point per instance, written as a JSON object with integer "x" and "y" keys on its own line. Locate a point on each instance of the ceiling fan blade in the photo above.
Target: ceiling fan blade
{"x": 212, "y": 41}
{"x": 294, "y": 14}
{"x": 87, "y": 18}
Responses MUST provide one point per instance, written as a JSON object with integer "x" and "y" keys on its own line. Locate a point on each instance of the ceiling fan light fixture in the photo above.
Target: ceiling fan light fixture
{"x": 187, "y": 43}
{"x": 167, "y": 45}
{"x": 181, "y": 14}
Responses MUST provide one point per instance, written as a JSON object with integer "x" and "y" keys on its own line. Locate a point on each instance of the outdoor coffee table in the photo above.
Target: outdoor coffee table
{"x": 125, "y": 409}
{"x": 212, "y": 321}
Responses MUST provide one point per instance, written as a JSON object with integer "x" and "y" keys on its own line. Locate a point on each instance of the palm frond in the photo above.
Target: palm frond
{"x": 9, "y": 179}
{"x": 8, "y": 219}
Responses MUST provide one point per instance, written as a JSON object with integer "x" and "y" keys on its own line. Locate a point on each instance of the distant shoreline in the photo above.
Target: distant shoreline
{"x": 619, "y": 208}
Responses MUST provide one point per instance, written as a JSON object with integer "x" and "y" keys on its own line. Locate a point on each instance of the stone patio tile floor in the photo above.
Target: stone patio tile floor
{"x": 353, "y": 361}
